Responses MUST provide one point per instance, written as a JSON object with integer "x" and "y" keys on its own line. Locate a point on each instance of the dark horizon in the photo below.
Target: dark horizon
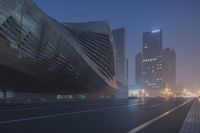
{"x": 180, "y": 23}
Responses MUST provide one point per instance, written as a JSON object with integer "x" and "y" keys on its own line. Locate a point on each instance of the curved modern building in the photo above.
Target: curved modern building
{"x": 39, "y": 54}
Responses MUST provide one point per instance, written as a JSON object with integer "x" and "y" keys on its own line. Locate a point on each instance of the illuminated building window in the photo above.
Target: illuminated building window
{"x": 149, "y": 60}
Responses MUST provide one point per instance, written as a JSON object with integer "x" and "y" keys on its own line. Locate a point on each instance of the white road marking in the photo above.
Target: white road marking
{"x": 69, "y": 113}
{"x": 155, "y": 105}
{"x": 57, "y": 106}
{"x": 157, "y": 118}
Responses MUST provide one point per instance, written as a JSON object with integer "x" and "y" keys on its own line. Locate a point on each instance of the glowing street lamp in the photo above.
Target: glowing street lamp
{"x": 142, "y": 92}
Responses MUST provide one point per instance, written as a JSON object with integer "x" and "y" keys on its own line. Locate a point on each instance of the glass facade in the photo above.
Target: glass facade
{"x": 152, "y": 57}
{"x": 155, "y": 66}
{"x": 121, "y": 54}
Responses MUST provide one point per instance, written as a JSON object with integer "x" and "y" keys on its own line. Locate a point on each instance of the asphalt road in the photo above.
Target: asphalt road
{"x": 150, "y": 115}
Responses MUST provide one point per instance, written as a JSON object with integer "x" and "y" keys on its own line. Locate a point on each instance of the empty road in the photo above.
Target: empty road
{"x": 145, "y": 115}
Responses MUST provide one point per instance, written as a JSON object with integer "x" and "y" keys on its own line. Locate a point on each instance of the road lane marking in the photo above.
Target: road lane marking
{"x": 157, "y": 118}
{"x": 69, "y": 113}
{"x": 155, "y": 105}
{"x": 58, "y": 106}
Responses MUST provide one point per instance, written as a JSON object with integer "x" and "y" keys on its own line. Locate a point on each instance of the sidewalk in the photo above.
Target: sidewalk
{"x": 191, "y": 123}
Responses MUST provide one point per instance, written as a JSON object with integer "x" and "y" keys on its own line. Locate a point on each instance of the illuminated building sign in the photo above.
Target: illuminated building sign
{"x": 155, "y": 31}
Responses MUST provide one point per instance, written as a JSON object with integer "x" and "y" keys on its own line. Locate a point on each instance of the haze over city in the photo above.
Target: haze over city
{"x": 180, "y": 22}
{"x": 99, "y": 66}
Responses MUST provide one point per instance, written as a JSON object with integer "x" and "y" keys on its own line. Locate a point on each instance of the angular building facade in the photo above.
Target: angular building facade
{"x": 39, "y": 54}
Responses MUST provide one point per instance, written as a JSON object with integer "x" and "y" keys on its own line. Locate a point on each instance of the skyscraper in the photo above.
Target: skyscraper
{"x": 138, "y": 69}
{"x": 169, "y": 63}
{"x": 121, "y": 54}
{"x": 155, "y": 67}
{"x": 121, "y": 62}
{"x": 152, "y": 61}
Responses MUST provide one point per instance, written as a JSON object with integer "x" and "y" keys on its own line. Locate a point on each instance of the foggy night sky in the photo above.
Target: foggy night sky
{"x": 179, "y": 19}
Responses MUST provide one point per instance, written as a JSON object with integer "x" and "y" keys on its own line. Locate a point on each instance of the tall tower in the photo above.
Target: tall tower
{"x": 152, "y": 65}
{"x": 138, "y": 70}
{"x": 155, "y": 67}
{"x": 169, "y": 63}
{"x": 121, "y": 55}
